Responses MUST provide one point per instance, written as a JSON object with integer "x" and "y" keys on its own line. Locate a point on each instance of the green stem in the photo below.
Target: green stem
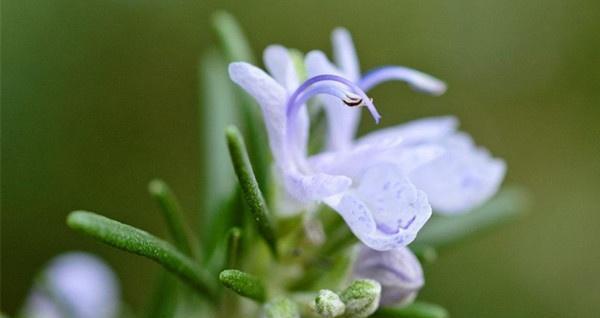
{"x": 136, "y": 241}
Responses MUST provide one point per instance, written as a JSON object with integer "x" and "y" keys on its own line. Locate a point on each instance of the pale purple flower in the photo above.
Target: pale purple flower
{"x": 76, "y": 285}
{"x": 397, "y": 270}
{"x": 368, "y": 181}
{"x": 456, "y": 180}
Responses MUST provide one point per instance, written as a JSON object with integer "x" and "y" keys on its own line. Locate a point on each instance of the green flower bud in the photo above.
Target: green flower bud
{"x": 281, "y": 307}
{"x": 361, "y": 298}
{"x": 328, "y": 304}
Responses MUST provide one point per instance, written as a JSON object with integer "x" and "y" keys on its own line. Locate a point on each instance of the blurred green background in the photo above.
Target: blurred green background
{"x": 98, "y": 97}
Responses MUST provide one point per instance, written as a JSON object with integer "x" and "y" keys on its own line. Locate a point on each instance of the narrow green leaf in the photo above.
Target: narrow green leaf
{"x": 243, "y": 284}
{"x": 172, "y": 213}
{"x": 232, "y": 39}
{"x": 233, "y": 247}
{"x": 414, "y": 310}
{"x": 445, "y": 230}
{"x": 235, "y": 45}
{"x": 134, "y": 240}
{"x": 219, "y": 108}
{"x": 250, "y": 188}
{"x": 258, "y": 143}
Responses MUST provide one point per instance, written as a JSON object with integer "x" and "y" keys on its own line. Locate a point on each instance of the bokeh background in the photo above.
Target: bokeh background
{"x": 100, "y": 96}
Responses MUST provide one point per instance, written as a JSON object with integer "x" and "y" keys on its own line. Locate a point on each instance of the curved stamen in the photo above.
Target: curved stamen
{"x": 303, "y": 93}
{"x": 350, "y": 99}
{"x": 317, "y": 85}
{"x": 419, "y": 81}
{"x": 326, "y": 89}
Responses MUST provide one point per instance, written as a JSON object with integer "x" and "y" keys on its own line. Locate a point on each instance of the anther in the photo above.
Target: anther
{"x": 352, "y": 100}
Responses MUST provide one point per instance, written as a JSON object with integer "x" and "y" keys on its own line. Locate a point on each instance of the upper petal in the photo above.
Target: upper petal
{"x": 272, "y": 98}
{"x": 345, "y": 53}
{"x": 462, "y": 178}
{"x": 385, "y": 211}
{"x": 281, "y": 66}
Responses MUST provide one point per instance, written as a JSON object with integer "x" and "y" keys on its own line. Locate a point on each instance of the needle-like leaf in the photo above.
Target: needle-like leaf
{"x": 243, "y": 284}
{"x": 173, "y": 215}
{"x": 233, "y": 246}
{"x": 235, "y": 45}
{"x": 219, "y": 108}
{"x": 134, "y": 240}
{"x": 250, "y": 188}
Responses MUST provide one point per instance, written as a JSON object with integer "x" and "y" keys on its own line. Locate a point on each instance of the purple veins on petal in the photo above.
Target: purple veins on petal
{"x": 386, "y": 210}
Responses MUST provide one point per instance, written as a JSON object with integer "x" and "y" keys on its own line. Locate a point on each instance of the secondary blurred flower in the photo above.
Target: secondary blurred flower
{"x": 77, "y": 285}
{"x": 398, "y": 271}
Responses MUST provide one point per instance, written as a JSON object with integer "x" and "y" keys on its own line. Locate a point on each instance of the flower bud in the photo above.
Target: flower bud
{"x": 328, "y": 304}
{"x": 398, "y": 271}
{"x": 77, "y": 285}
{"x": 361, "y": 298}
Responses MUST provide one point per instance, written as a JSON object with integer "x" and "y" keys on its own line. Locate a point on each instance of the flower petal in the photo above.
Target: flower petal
{"x": 314, "y": 187}
{"x": 398, "y": 271}
{"x": 78, "y": 284}
{"x": 272, "y": 98}
{"x": 385, "y": 211}
{"x": 462, "y": 178}
{"x": 411, "y": 133}
{"x": 345, "y": 53}
{"x": 354, "y": 162}
{"x": 342, "y": 120}
{"x": 280, "y": 65}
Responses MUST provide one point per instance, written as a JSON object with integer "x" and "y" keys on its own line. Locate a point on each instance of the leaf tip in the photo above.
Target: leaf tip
{"x": 232, "y": 132}
{"x": 75, "y": 218}
{"x": 157, "y": 187}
